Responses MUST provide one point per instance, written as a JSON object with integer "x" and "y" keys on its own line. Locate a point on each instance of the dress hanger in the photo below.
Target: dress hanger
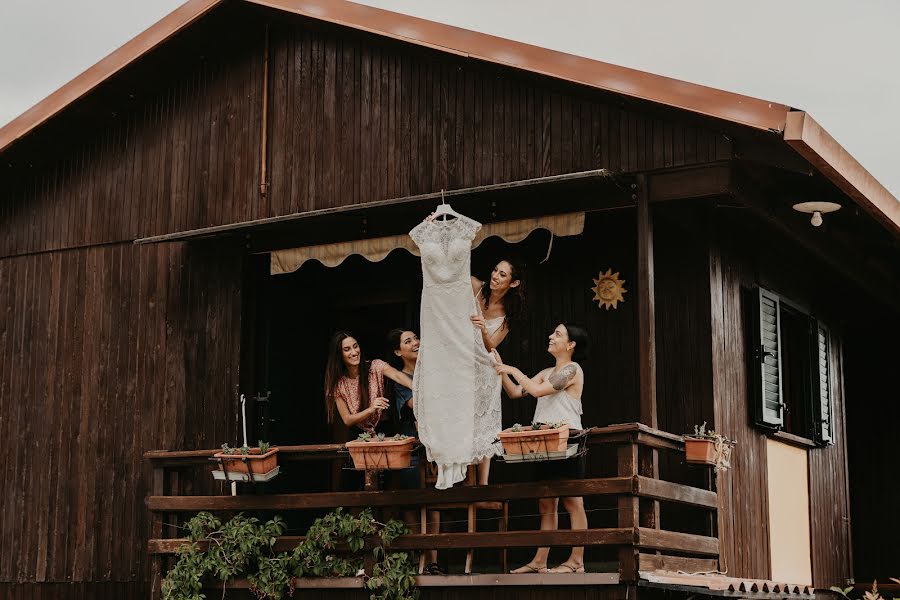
{"x": 445, "y": 209}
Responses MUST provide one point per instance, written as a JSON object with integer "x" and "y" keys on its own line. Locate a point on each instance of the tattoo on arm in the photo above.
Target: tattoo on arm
{"x": 560, "y": 380}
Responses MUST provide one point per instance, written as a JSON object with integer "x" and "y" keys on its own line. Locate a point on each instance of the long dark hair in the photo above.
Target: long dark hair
{"x": 514, "y": 299}
{"x": 579, "y": 335}
{"x": 335, "y": 369}
{"x": 394, "y": 337}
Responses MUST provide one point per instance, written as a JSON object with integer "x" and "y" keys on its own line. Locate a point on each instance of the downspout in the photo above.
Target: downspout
{"x": 264, "y": 129}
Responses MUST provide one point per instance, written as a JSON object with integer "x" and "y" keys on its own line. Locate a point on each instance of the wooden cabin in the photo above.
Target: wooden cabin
{"x": 187, "y": 221}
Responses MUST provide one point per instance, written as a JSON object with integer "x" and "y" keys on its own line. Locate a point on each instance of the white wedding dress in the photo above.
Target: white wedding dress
{"x": 455, "y": 388}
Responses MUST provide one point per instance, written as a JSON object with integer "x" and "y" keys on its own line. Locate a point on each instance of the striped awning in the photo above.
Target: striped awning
{"x": 376, "y": 249}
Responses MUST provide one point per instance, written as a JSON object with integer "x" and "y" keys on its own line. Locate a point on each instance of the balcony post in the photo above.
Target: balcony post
{"x": 649, "y": 457}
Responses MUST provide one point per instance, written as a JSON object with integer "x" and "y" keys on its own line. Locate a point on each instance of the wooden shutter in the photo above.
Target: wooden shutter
{"x": 765, "y": 356}
{"x": 821, "y": 383}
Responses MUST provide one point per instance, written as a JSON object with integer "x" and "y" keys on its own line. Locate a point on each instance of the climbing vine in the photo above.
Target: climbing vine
{"x": 334, "y": 546}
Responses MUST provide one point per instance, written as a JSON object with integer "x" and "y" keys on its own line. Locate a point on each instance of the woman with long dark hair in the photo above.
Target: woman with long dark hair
{"x": 558, "y": 391}
{"x": 404, "y": 345}
{"x": 501, "y": 299}
{"x": 359, "y": 405}
{"x": 501, "y": 303}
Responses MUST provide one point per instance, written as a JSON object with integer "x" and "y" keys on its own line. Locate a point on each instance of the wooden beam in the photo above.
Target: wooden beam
{"x": 507, "y": 491}
{"x": 442, "y": 541}
{"x": 704, "y": 181}
{"x": 599, "y": 176}
{"x": 672, "y": 541}
{"x": 842, "y": 256}
{"x": 646, "y": 310}
{"x": 444, "y": 581}
{"x": 661, "y": 562}
{"x": 676, "y": 492}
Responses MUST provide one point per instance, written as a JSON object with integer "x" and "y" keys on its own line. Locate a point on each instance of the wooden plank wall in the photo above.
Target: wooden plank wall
{"x": 356, "y": 118}
{"x": 683, "y": 352}
{"x": 109, "y": 351}
{"x": 352, "y": 118}
{"x": 75, "y": 591}
{"x": 872, "y": 416}
{"x": 743, "y": 256}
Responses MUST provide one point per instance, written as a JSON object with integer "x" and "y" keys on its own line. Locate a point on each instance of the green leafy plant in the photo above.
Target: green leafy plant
{"x": 702, "y": 433}
{"x": 380, "y": 437}
{"x": 516, "y": 428}
{"x": 226, "y": 449}
{"x": 334, "y": 546}
{"x": 872, "y": 594}
{"x": 723, "y": 445}
{"x": 262, "y": 448}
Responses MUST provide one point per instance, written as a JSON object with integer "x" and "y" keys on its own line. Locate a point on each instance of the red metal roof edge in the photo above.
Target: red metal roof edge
{"x": 816, "y": 145}
{"x": 805, "y": 135}
{"x": 745, "y": 110}
{"x": 117, "y": 60}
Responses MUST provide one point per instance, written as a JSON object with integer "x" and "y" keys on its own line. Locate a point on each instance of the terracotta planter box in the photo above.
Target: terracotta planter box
{"x": 255, "y": 463}
{"x": 381, "y": 455}
{"x": 699, "y": 451}
{"x": 531, "y": 441}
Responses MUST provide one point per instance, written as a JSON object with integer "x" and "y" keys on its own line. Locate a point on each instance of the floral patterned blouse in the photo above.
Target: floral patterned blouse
{"x": 348, "y": 391}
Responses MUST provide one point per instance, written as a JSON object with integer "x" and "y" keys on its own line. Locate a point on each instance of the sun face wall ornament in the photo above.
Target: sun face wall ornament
{"x": 608, "y": 289}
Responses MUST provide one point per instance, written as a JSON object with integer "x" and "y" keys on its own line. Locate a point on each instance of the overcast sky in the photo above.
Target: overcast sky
{"x": 838, "y": 60}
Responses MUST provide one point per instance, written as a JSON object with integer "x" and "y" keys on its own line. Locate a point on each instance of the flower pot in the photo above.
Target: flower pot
{"x": 381, "y": 455}
{"x": 700, "y": 451}
{"x": 531, "y": 441}
{"x": 248, "y": 463}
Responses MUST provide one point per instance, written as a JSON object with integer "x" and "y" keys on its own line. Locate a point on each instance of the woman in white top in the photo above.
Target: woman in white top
{"x": 558, "y": 391}
{"x": 501, "y": 301}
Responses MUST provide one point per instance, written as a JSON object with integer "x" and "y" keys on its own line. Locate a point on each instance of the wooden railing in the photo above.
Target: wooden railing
{"x": 641, "y": 543}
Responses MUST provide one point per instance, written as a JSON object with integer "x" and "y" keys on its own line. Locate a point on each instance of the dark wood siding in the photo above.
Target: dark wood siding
{"x": 738, "y": 262}
{"x": 872, "y": 415}
{"x": 355, "y": 118}
{"x": 109, "y": 351}
{"x": 175, "y": 144}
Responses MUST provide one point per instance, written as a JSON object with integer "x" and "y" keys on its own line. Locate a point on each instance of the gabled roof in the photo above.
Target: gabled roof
{"x": 798, "y": 129}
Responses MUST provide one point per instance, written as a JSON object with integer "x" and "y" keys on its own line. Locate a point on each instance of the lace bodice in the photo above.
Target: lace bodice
{"x": 445, "y": 247}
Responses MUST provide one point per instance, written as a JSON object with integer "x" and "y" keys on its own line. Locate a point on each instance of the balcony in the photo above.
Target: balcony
{"x": 629, "y": 503}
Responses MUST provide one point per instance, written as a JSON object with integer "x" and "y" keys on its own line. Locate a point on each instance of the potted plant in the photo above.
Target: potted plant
{"x": 259, "y": 460}
{"x": 377, "y": 452}
{"x": 707, "y": 447}
{"x": 534, "y": 438}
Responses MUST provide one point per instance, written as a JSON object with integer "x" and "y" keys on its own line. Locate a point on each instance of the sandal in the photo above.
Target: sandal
{"x": 529, "y": 568}
{"x": 433, "y": 569}
{"x": 566, "y": 568}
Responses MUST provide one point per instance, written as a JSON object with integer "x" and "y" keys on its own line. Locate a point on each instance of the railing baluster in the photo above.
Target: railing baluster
{"x": 629, "y": 509}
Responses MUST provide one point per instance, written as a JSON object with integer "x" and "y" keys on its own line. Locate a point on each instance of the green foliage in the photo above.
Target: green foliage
{"x": 334, "y": 547}
{"x": 702, "y": 433}
{"x": 380, "y": 437}
{"x": 226, "y": 449}
{"x": 872, "y": 594}
{"x": 516, "y": 428}
{"x": 264, "y": 447}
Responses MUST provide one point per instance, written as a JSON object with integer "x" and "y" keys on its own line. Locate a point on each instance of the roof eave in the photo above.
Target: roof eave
{"x": 157, "y": 34}
{"x": 816, "y": 145}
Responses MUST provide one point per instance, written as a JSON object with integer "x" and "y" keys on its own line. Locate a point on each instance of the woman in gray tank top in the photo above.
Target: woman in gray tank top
{"x": 558, "y": 391}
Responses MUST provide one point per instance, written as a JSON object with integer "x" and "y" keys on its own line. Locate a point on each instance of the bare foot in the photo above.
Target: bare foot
{"x": 529, "y": 568}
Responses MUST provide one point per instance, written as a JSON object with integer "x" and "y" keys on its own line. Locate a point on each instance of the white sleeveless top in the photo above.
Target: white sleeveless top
{"x": 493, "y": 325}
{"x": 559, "y": 407}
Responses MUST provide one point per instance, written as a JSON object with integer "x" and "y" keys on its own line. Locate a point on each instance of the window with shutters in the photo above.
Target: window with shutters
{"x": 790, "y": 372}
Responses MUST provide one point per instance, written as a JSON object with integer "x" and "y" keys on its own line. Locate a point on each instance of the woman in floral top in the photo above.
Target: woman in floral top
{"x": 360, "y": 406}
